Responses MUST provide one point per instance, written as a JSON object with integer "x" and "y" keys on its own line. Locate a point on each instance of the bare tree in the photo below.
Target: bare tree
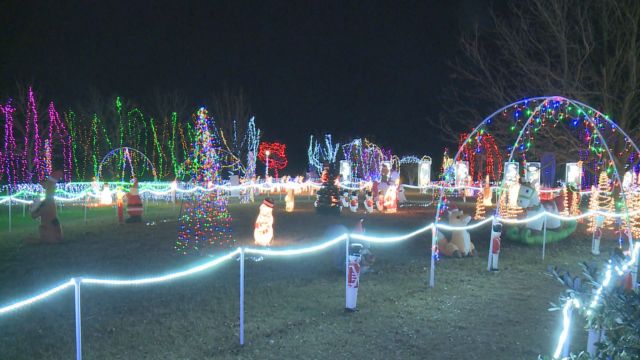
{"x": 588, "y": 50}
{"x": 231, "y": 112}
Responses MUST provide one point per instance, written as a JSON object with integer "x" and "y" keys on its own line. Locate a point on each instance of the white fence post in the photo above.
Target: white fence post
{"x": 9, "y": 208}
{"x": 346, "y": 269}
{"x": 434, "y": 244}
{"x": 77, "y": 282}
{"x": 544, "y": 234}
{"x": 242, "y": 296}
{"x": 86, "y": 204}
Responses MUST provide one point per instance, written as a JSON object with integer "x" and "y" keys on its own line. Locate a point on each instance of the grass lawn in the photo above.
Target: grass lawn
{"x": 294, "y": 306}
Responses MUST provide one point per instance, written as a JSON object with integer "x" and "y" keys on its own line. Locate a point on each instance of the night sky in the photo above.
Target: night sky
{"x": 349, "y": 68}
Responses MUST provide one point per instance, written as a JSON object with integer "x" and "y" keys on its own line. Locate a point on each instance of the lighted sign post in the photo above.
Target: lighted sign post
{"x": 345, "y": 170}
{"x": 461, "y": 173}
{"x": 532, "y": 174}
{"x": 573, "y": 174}
{"x": 266, "y": 171}
{"x": 511, "y": 170}
{"x": 424, "y": 173}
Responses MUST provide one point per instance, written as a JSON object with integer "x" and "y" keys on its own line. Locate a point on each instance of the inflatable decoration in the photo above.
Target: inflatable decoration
{"x": 529, "y": 199}
{"x": 460, "y": 244}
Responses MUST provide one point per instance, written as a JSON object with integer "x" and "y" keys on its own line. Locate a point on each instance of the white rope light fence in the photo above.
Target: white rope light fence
{"x": 171, "y": 188}
{"x": 78, "y": 281}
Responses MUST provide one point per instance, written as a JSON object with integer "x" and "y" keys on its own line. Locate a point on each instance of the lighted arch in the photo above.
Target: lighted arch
{"x": 592, "y": 117}
{"x": 124, "y": 154}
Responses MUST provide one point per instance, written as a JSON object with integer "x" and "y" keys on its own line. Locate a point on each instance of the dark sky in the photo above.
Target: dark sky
{"x": 350, "y": 68}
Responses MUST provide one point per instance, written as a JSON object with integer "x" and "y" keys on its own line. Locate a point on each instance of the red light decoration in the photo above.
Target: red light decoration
{"x": 481, "y": 152}
{"x": 277, "y": 157}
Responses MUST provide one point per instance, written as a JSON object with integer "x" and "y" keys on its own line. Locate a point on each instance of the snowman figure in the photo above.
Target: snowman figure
{"x": 353, "y": 204}
{"x": 368, "y": 202}
{"x": 263, "y": 232}
{"x": 380, "y": 201}
{"x": 344, "y": 199}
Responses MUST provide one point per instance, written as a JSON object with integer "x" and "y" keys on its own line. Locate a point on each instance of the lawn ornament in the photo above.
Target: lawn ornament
{"x": 529, "y": 199}
{"x": 289, "y": 200}
{"x": 353, "y": 277}
{"x": 460, "y": 244}
{"x": 263, "y": 231}
{"x": 134, "y": 204}
{"x": 50, "y": 229}
{"x": 344, "y": 199}
{"x": 353, "y": 202}
{"x": 368, "y": 202}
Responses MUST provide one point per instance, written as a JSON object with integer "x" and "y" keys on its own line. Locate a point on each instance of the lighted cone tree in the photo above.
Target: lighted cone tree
{"x": 503, "y": 208}
{"x": 480, "y": 210}
{"x": 602, "y": 200}
{"x": 204, "y": 222}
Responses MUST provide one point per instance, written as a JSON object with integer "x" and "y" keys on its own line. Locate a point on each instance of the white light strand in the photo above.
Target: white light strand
{"x": 595, "y": 301}
{"x": 167, "y": 277}
{"x": 36, "y": 298}
{"x": 566, "y": 323}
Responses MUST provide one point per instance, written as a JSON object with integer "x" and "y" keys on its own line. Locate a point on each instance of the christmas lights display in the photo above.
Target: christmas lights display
{"x": 76, "y": 142}
{"x": 480, "y": 209}
{"x": 124, "y": 164}
{"x": 328, "y": 196}
{"x": 482, "y": 154}
{"x": 601, "y": 199}
{"x": 366, "y": 159}
{"x": 273, "y": 156}
{"x": 204, "y": 221}
{"x": 321, "y": 153}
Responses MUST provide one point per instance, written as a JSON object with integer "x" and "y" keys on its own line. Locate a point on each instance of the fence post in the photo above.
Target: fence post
{"x": 9, "y": 208}
{"x": 434, "y": 244}
{"x": 77, "y": 282}
{"x": 346, "y": 268}
{"x": 241, "y": 296}
{"x": 544, "y": 234}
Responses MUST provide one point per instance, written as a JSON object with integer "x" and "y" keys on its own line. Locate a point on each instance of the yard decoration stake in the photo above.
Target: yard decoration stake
{"x": 494, "y": 246}
{"x": 353, "y": 277}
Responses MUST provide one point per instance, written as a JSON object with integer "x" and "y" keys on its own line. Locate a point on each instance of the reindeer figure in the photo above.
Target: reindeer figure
{"x": 529, "y": 199}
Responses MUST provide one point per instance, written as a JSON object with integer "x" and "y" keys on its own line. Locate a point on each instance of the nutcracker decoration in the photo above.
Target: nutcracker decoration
{"x": 353, "y": 277}
{"x": 494, "y": 246}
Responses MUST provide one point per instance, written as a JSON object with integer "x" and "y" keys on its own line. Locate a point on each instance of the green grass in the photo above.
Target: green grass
{"x": 294, "y": 306}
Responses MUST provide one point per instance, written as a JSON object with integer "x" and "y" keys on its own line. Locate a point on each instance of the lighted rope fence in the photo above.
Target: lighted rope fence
{"x": 76, "y": 282}
{"x": 80, "y": 191}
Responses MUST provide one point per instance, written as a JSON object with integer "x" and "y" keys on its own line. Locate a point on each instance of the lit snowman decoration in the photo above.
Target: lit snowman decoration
{"x": 263, "y": 232}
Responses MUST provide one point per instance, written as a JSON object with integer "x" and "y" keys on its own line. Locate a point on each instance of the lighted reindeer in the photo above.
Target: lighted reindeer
{"x": 529, "y": 199}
